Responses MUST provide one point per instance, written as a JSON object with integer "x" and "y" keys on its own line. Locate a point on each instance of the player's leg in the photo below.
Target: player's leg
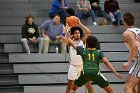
{"x": 108, "y": 89}
{"x": 73, "y": 73}
{"x": 134, "y": 90}
{"x": 69, "y": 86}
{"x": 74, "y": 89}
{"x": 138, "y": 87}
{"x": 130, "y": 84}
{"x": 102, "y": 82}
{"x": 89, "y": 87}
{"x": 132, "y": 79}
{"x": 79, "y": 82}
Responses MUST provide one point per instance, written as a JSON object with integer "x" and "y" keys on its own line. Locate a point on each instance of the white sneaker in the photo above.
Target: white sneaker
{"x": 28, "y": 53}
{"x": 95, "y": 24}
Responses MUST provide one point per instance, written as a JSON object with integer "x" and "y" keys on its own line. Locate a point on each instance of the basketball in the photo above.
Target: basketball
{"x": 72, "y": 21}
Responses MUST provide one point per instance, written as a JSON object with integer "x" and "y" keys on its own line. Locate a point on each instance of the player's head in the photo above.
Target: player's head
{"x": 128, "y": 19}
{"x": 56, "y": 19}
{"x": 92, "y": 42}
{"x": 76, "y": 32}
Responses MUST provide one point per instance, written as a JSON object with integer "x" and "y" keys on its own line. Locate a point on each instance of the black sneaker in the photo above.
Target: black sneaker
{"x": 115, "y": 23}
{"x": 121, "y": 23}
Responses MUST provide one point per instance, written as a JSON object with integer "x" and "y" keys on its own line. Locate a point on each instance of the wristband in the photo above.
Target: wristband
{"x": 62, "y": 34}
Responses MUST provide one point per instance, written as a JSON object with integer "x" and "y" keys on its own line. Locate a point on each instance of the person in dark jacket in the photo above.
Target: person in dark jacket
{"x": 96, "y": 8}
{"x": 30, "y": 34}
{"x": 113, "y": 12}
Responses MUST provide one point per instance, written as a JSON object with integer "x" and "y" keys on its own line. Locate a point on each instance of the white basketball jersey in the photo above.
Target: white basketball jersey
{"x": 135, "y": 70}
{"x": 136, "y": 31}
{"x": 74, "y": 58}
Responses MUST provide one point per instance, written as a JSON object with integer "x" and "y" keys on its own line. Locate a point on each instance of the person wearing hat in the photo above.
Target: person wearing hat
{"x": 75, "y": 62}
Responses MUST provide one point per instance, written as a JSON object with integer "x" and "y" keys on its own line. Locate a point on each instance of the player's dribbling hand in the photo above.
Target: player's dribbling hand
{"x": 118, "y": 75}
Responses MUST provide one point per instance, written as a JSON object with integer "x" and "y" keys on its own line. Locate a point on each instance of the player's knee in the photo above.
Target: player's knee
{"x": 74, "y": 88}
{"x": 127, "y": 87}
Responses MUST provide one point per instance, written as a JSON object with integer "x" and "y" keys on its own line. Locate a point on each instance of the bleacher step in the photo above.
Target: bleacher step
{"x": 41, "y": 68}
{"x": 8, "y": 80}
{"x": 54, "y": 57}
{"x": 102, "y": 38}
{"x": 13, "y": 92}
{"x": 100, "y": 29}
{"x": 1, "y": 48}
{"x": 121, "y": 1}
{"x": 60, "y": 79}
{"x": 3, "y": 56}
{"x": 2, "y": 72}
{"x": 18, "y": 48}
{"x": 35, "y": 57}
{"x": 118, "y": 88}
{"x": 4, "y": 61}
{"x": 6, "y": 69}
{"x": 11, "y": 89}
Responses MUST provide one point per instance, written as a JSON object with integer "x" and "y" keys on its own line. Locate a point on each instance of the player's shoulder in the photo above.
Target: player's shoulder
{"x": 127, "y": 32}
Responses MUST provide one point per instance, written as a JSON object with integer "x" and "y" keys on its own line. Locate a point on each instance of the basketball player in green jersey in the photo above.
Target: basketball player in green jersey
{"x": 91, "y": 58}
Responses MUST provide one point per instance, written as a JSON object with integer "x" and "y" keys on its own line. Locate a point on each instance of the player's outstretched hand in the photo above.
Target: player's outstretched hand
{"x": 118, "y": 75}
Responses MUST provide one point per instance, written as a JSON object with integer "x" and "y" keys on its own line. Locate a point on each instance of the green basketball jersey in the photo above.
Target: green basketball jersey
{"x": 91, "y": 59}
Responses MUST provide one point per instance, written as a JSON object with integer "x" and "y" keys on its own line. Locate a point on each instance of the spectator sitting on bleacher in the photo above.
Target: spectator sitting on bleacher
{"x": 50, "y": 30}
{"x": 113, "y": 12}
{"x": 84, "y": 10}
{"x": 30, "y": 34}
{"x": 96, "y": 8}
{"x": 62, "y": 8}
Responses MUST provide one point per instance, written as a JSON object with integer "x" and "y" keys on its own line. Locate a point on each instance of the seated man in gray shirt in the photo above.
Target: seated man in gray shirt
{"x": 50, "y": 30}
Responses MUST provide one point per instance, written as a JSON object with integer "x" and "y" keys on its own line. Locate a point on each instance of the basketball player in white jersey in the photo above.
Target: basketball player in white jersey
{"x": 132, "y": 40}
{"x": 76, "y": 62}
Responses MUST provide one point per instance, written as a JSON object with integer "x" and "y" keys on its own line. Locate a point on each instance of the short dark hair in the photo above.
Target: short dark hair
{"x": 55, "y": 15}
{"x": 129, "y": 19}
{"x": 27, "y": 18}
{"x": 73, "y": 29}
{"x": 92, "y": 42}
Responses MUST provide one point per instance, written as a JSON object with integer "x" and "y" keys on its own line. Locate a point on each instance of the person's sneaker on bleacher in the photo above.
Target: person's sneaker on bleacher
{"x": 115, "y": 23}
{"x": 95, "y": 23}
{"x": 121, "y": 23}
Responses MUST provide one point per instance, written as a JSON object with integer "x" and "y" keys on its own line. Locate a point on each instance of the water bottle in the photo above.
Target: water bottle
{"x": 56, "y": 49}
